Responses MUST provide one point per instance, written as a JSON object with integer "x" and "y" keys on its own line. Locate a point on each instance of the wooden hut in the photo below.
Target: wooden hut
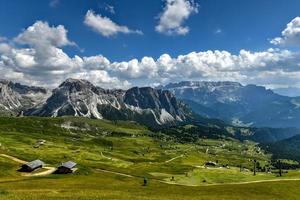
{"x": 66, "y": 167}
{"x": 31, "y": 166}
{"x": 210, "y": 163}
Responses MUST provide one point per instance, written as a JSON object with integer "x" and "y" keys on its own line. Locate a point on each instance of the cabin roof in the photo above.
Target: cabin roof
{"x": 69, "y": 164}
{"x": 35, "y": 163}
{"x": 210, "y": 163}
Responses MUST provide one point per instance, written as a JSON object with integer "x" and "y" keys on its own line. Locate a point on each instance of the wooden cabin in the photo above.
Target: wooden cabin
{"x": 210, "y": 163}
{"x": 31, "y": 166}
{"x": 66, "y": 167}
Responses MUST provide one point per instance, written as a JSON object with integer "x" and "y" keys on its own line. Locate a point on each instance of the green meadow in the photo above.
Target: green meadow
{"x": 114, "y": 157}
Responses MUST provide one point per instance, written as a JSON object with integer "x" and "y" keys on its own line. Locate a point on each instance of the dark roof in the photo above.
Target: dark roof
{"x": 69, "y": 164}
{"x": 210, "y": 163}
{"x": 35, "y": 164}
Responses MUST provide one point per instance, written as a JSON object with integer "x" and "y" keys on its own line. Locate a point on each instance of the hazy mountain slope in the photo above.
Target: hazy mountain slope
{"x": 249, "y": 105}
{"x": 289, "y": 91}
{"x": 265, "y": 135}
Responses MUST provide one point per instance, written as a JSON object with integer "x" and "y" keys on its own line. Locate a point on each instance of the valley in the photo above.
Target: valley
{"x": 149, "y": 100}
{"x": 143, "y": 143}
{"x": 115, "y": 156}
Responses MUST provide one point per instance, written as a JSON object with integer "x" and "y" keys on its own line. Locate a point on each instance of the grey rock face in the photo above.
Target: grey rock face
{"x": 15, "y": 97}
{"x": 81, "y": 98}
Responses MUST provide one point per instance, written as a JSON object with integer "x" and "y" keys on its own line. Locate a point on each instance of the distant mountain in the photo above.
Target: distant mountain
{"x": 81, "y": 98}
{"x": 15, "y": 97}
{"x": 146, "y": 105}
{"x": 239, "y": 105}
{"x": 290, "y": 91}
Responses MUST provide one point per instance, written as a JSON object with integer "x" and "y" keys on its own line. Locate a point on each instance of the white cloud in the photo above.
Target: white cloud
{"x": 290, "y": 35}
{"x": 4, "y": 48}
{"x": 44, "y": 62}
{"x": 174, "y": 15}
{"x": 102, "y": 78}
{"x": 40, "y": 34}
{"x": 2, "y": 39}
{"x": 105, "y": 26}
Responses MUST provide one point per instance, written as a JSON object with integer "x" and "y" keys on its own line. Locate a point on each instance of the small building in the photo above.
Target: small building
{"x": 210, "y": 163}
{"x": 40, "y": 142}
{"x": 66, "y": 167}
{"x": 31, "y": 166}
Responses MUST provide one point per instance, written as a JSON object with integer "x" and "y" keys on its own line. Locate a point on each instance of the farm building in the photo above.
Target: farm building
{"x": 210, "y": 163}
{"x": 31, "y": 166}
{"x": 41, "y": 142}
{"x": 66, "y": 167}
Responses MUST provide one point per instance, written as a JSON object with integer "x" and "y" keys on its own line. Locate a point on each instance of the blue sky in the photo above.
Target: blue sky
{"x": 244, "y": 25}
{"x": 207, "y": 25}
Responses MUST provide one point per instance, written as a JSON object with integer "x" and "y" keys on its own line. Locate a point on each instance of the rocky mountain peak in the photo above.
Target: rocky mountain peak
{"x": 4, "y": 82}
{"x": 15, "y": 96}
{"x": 79, "y": 97}
{"x": 79, "y": 85}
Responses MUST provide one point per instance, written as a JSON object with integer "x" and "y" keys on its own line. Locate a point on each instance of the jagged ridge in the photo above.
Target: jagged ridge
{"x": 81, "y": 98}
{"x": 15, "y": 97}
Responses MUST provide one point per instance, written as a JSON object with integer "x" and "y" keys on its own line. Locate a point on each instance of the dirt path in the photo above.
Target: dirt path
{"x": 49, "y": 170}
{"x": 117, "y": 173}
{"x": 174, "y": 158}
{"x": 182, "y": 155}
{"x": 105, "y": 156}
{"x": 14, "y": 158}
{"x": 236, "y": 183}
{"x": 213, "y": 184}
{"x": 109, "y": 158}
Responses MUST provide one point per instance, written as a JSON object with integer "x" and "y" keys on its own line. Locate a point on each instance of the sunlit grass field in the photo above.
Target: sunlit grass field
{"x": 128, "y": 152}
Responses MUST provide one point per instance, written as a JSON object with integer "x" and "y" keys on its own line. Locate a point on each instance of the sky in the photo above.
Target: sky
{"x": 119, "y": 44}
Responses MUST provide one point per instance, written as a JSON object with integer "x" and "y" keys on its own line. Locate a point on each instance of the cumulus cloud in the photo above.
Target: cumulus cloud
{"x": 174, "y": 15}
{"x": 2, "y": 39}
{"x": 290, "y": 35}
{"x": 42, "y": 60}
{"x": 105, "y": 26}
{"x": 45, "y": 63}
{"x": 40, "y": 33}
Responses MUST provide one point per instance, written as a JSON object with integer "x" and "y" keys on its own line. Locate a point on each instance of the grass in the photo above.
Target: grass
{"x": 129, "y": 148}
{"x": 105, "y": 186}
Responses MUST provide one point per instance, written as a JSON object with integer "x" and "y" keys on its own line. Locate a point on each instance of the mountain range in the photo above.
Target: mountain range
{"x": 15, "y": 97}
{"x": 75, "y": 97}
{"x": 206, "y": 104}
{"x": 231, "y": 102}
{"x": 237, "y": 104}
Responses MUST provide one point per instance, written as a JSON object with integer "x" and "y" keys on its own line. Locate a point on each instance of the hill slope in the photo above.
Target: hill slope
{"x": 285, "y": 149}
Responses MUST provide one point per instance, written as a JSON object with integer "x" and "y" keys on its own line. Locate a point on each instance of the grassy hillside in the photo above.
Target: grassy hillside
{"x": 286, "y": 149}
{"x": 113, "y": 158}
